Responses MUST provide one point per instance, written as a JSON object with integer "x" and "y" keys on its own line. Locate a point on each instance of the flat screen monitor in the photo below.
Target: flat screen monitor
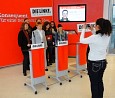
{"x": 72, "y": 13}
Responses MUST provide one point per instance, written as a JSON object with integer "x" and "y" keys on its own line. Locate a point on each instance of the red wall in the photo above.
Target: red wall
{"x": 9, "y": 51}
{"x": 94, "y": 11}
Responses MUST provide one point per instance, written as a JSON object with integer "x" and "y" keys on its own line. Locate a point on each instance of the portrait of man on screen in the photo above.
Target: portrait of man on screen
{"x": 64, "y": 15}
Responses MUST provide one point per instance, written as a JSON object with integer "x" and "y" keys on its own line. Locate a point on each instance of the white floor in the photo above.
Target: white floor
{"x": 12, "y": 83}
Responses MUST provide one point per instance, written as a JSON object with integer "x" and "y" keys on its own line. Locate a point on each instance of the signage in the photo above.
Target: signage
{"x": 41, "y": 11}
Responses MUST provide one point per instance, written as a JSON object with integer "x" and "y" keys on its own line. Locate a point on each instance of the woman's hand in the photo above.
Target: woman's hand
{"x": 52, "y": 30}
{"x": 91, "y": 28}
{"x": 84, "y": 26}
{"x": 28, "y": 45}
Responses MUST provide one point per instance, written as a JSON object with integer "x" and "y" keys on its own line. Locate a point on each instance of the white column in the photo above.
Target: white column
{"x": 107, "y": 10}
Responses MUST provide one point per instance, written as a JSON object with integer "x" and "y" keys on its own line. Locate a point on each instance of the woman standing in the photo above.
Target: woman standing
{"x": 24, "y": 42}
{"x": 38, "y": 35}
{"x": 61, "y": 35}
{"x": 96, "y": 65}
{"x": 54, "y": 30}
{"x": 49, "y": 38}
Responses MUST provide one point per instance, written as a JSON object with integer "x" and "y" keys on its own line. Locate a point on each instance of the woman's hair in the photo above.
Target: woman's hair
{"x": 104, "y": 26}
{"x": 38, "y": 19}
{"x": 59, "y": 25}
{"x": 54, "y": 27}
{"x": 38, "y": 23}
{"x": 45, "y": 24}
{"x": 25, "y": 19}
{"x": 23, "y": 26}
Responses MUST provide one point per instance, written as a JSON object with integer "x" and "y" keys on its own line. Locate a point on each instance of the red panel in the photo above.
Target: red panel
{"x": 62, "y": 58}
{"x": 72, "y": 40}
{"x": 38, "y": 63}
{"x": 82, "y": 51}
{"x": 72, "y": 50}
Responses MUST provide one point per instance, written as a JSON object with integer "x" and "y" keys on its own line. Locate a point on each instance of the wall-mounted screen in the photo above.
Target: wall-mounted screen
{"x": 72, "y": 13}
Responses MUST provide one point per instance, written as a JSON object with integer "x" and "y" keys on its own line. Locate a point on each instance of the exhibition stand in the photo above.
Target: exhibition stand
{"x": 37, "y": 66}
{"x": 81, "y": 59}
{"x": 61, "y": 51}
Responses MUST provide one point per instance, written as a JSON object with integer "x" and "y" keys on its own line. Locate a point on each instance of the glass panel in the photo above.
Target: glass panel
{"x": 112, "y": 42}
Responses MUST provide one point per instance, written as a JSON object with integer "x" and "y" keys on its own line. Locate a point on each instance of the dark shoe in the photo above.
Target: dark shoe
{"x": 24, "y": 74}
{"x": 46, "y": 69}
{"x": 50, "y": 63}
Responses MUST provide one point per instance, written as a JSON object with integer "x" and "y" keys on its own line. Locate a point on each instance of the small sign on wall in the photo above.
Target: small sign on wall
{"x": 80, "y": 26}
{"x": 41, "y": 11}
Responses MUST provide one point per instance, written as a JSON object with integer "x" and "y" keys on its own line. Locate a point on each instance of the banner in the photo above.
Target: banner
{"x": 42, "y": 11}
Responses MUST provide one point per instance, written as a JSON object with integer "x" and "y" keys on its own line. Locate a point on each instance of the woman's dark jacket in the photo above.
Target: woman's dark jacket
{"x": 22, "y": 40}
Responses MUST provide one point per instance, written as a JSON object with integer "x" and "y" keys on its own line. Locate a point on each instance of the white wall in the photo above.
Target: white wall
{"x": 108, "y": 4}
{"x": 105, "y": 12}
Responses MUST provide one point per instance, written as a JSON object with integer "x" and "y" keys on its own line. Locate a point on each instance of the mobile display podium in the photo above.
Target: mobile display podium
{"x": 81, "y": 61}
{"x": 61, "y": 53}
{"x": 37, "y": 66}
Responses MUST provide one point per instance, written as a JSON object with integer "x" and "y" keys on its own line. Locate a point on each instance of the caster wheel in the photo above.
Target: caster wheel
{"x": 60, "y": 83}
{"x": 47, "y": 88}
{"x": 24, "y": 84}
{"x": 36, "y": 92}
{"x": 81, "y": 76}
{"x": 69, "y": 80}
{"x": 46, "y": 69}
{"x": 48, "y": 76}
{"x": 68, "y": 71}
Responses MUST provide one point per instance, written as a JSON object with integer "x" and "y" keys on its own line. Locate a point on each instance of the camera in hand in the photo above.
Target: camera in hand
{"x": 88, "y": 25}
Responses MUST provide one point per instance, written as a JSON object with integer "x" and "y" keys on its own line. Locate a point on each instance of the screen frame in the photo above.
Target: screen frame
{"x": 71, "y": 5}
